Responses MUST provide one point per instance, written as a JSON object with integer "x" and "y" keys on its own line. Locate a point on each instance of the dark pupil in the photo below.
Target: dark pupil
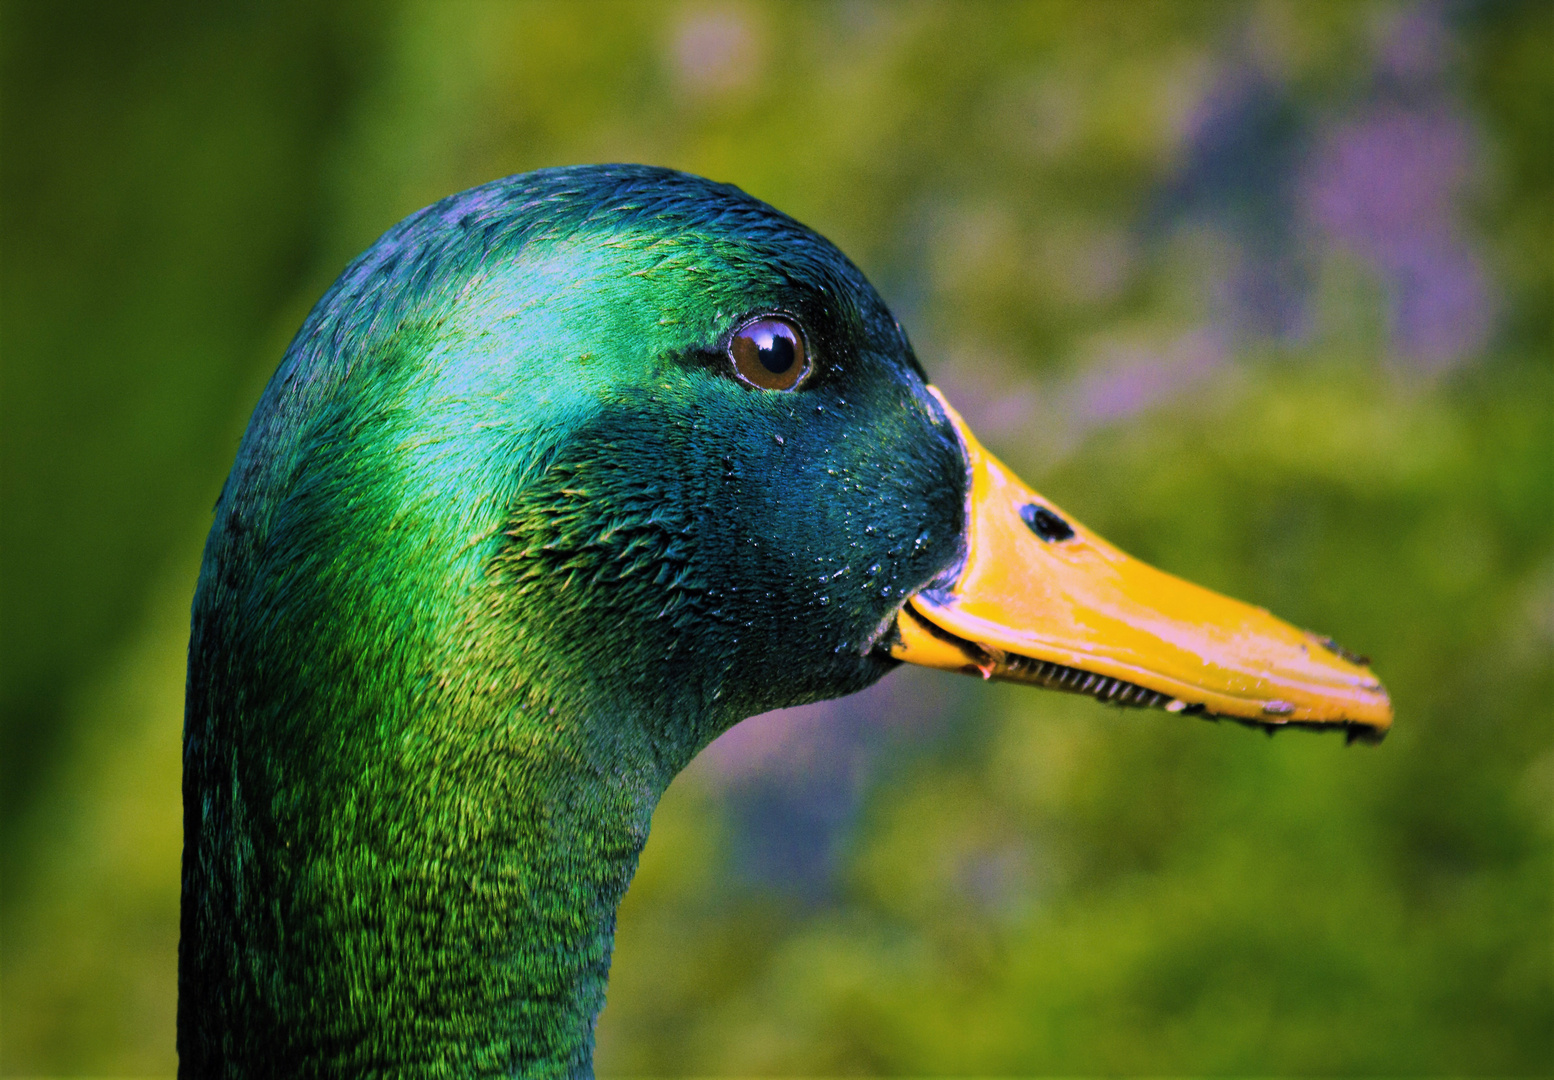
{"x": 775, "y": 349}
{"x": 1044, "y": 523}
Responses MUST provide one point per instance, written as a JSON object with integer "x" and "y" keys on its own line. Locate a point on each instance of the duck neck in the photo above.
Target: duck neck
{"x": 436, "y": 891}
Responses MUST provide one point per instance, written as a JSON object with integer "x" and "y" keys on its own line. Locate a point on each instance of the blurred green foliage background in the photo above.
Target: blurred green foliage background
{"x": 1261, "y": 291}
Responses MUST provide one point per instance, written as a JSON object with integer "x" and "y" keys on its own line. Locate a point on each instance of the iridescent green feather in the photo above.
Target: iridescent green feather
{"x": 505, "y": 545}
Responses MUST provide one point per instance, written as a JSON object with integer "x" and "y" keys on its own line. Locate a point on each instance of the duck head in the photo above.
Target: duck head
{"x": 563, "y": 477}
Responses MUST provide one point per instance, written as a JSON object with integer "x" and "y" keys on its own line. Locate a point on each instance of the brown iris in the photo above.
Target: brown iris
{"x": 769, "y": 353}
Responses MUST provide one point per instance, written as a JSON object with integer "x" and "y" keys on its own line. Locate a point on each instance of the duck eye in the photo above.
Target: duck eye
{"x": 769, "y": 353}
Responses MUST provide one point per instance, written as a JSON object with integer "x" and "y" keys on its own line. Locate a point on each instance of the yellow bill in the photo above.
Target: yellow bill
{"x": 1041, "y": 599}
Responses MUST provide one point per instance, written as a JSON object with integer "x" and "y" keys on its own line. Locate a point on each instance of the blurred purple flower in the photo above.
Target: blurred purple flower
{"x": 1385, "y": 183}
{"x": 795, "y": 777}
{"x": 1128, "y": 381}
{"x": 1413, "y": 42}
{"x": 715, "y": 51}
{"x": 1386, "y": 186}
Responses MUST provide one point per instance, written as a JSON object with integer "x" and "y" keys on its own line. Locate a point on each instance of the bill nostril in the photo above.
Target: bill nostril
{"x": 1045, "y": 524}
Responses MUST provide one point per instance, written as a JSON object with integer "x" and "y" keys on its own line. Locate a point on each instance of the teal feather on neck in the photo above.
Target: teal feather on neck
{"x": 506, "y": 544}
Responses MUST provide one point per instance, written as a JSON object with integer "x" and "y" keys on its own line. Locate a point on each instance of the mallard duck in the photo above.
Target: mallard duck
{"x": 563, "y": 477}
